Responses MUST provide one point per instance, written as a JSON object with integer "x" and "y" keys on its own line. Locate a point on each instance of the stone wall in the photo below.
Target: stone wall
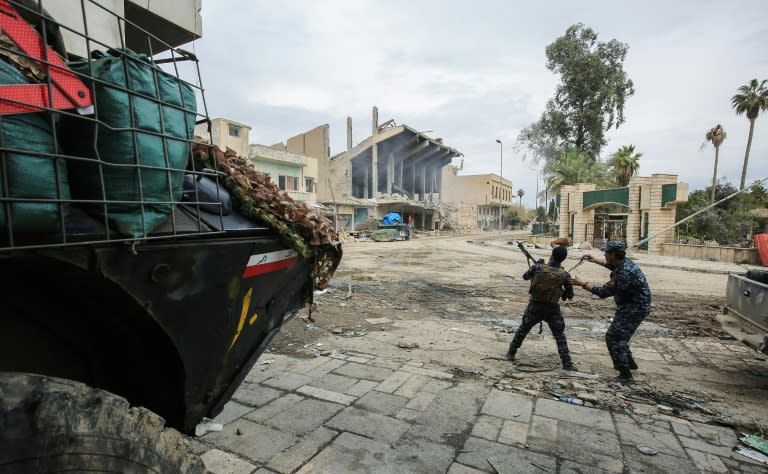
{"x": 571, "y": 204}
{"x": 660, "y": 217}
{"x": 710, "y": 253}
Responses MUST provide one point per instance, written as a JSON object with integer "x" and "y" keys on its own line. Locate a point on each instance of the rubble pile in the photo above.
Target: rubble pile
{"x": 309, "y": 233}
{"x": 369, "y": 224}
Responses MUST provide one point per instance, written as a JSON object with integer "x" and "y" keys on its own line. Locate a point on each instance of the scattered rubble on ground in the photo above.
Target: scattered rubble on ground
{"x": 465, "y": 285}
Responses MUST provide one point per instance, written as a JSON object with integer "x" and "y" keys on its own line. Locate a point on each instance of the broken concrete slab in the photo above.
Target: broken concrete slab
{"x": 377, "y": 321}
{"x": 508, "y": 406}
{"x": 271, "y": 441}
{"x": 372, "y": 425}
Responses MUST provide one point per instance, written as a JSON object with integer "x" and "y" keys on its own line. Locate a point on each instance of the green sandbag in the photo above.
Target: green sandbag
{"x": 118, "y": 138}
{"x": 29, "y": 176}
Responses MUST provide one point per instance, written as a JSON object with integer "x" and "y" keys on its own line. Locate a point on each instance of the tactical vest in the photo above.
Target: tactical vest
{"x": 547, "y": 285}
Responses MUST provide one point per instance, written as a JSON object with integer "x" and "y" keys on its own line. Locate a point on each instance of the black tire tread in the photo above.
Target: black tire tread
{"x": 50, "y": 424}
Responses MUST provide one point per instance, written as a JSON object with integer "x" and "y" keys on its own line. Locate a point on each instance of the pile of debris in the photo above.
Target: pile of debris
{"x": 369, "y": 225}
{"x": 309, "y": 233}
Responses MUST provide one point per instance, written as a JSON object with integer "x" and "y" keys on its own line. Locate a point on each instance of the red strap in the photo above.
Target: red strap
{"x": 67, "y": 90}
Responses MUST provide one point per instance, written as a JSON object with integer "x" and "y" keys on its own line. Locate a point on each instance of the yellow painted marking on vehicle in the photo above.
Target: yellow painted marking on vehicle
{"x": 243, "y": 314}
{"x": 253, "y": 319}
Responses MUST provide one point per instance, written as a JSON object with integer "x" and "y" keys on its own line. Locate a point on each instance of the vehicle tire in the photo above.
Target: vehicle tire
{"x": 49, "y": 424}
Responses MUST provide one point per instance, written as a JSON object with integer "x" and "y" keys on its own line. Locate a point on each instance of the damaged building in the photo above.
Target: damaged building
{"x": 396, "y": 169}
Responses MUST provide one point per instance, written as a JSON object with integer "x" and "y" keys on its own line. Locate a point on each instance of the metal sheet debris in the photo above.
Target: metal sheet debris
{"x": 752, "y": 454}
{"x": 756, "y": 442}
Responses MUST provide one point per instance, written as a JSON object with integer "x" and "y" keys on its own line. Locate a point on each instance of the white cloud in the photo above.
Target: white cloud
{"x": 474, "y": 72}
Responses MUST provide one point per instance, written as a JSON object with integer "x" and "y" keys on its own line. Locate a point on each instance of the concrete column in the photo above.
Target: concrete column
{"x": 349, "y": 133}
{"x": 423, "y": 183}
{"x": 375, "y": 154}
{"x": 429, "y": 176}
{"x": 439, "y": 174}
{"x": 637, "y": 185}
{"x": 564, "y": 220}
{"x": 634, "y": 215}
{"x": 575, "y": 205}
{"x": 658, "y": 216}
{"x": 365, "y": 183}
{"x": 390, "y": 171}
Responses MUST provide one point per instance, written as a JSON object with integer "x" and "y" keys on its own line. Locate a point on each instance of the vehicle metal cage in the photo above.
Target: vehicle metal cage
{"x": 60, "y": 183}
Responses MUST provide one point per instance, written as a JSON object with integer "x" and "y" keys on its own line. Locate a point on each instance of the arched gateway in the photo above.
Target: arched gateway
{"x": 643, "y": 208}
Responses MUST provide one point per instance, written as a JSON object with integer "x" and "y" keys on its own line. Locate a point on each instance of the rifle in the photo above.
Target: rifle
{"x": 528, "y": 256}
{"x": 530, "y": 259}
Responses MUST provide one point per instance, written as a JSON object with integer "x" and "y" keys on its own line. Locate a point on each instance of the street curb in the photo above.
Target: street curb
{"x": 686, "y": 269}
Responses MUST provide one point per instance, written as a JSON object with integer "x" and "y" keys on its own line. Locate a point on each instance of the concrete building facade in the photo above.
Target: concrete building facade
{"x": 294, "y": 173}
{"x": 226, "y": 133}
{"x": 647, "y": 208}
{"x": 483, "y": 196}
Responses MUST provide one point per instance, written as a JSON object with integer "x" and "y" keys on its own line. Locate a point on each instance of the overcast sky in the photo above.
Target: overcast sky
{"x": 474, "y": 72}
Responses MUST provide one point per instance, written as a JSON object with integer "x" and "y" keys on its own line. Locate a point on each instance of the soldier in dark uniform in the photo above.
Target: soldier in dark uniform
{"x": 632, "y": 295}
{"x": 549, "y": 284}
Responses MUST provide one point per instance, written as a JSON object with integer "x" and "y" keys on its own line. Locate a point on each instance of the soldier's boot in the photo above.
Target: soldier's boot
{"x": 625, "y": 376}
{"x": 570, "y": 367}
{"x": 632, "y": 365}
{"x": 510, "y": 355}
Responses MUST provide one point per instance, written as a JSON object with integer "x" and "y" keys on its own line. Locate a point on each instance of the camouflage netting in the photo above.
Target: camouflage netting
{"x": 301, "y": 228}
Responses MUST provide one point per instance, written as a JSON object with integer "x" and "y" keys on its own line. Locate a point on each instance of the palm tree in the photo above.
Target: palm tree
{"x": 716, "y": 136}
{"x": 751, "y": 99}
{"x": 520, "y": 194}
{"x": 572, "y": 167}
{"x": 624, "y": 163}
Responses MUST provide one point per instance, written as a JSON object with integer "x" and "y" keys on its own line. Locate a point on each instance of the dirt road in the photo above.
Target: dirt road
{"x": 456, "y": 300}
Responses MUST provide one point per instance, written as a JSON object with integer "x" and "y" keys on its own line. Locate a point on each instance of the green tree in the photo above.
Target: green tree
{"x": 751, "y": 99}
{"x": 760, "y": 194}
{"x": 624, "y": 164}
{"x": 715, "y": 136}
{"x": 572, "y": 167}
{"x": 729, "y": 223}
{"x": 588, "y": 101}
{"x": 518, "y": 217}
{"x": 520, "y": 194}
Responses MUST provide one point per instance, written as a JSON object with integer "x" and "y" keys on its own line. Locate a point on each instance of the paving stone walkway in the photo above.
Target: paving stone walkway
{"x": 356, "y": 412}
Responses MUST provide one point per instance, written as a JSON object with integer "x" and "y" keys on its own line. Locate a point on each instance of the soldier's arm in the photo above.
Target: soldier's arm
{"x": 603, "y": 291}
{"x": 532, "y": 271}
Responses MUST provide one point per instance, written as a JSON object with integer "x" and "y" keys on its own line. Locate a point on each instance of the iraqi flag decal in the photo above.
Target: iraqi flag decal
{"x": 269, "y": 262}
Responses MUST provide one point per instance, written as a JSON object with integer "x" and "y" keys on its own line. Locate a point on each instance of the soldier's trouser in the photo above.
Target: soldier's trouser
{"x": 617, "y": 337}
{"x": 551, "y": 314}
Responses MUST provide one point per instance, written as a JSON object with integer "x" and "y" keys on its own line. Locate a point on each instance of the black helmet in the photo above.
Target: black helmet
{"x": 559, "y": 253}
